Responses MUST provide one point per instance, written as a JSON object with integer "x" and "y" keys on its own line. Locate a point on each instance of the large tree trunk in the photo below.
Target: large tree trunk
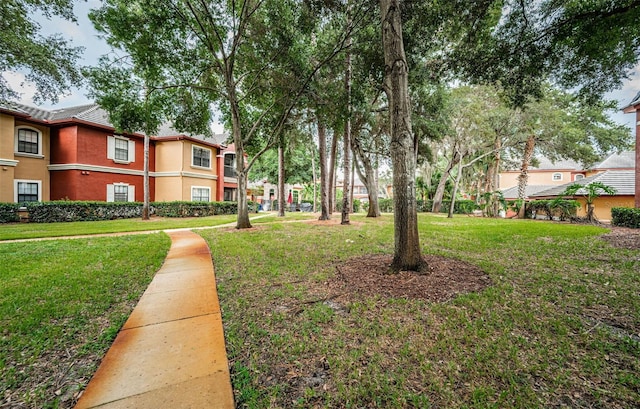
{"x": 145, "y": 204}
{"x": 524, "y": 173}
{"x": 315, "y": 178}
{"x": 437, "y": 197}
{"x": 403, "y": 144}
{"x": 324, "y": 175}
{"x": 492, "y": 180}
{"x": 333, "y": 173}
{"x": 346, "y": 188}
{"x": 368, "y": 177}
{"x": 455, "y": 190}
{"x": 281, "y": 193}
{"x": 241, "y": 172}
{"x": 346, "y": 185}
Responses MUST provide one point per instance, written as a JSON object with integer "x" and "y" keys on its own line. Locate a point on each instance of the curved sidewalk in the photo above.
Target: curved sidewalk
{"x": 170, "y": 353}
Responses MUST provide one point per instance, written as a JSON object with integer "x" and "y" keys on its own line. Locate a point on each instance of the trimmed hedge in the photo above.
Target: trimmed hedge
{"x": 9, "y": 212}
{"x": 460, "y": 206}
{"x": 195, "y": 209}
{"x": 69, "y": 211}
{"x": 625, "y": 217}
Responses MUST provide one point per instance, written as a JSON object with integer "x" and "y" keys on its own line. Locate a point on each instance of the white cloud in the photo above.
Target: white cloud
{"x": 17, "y": 81}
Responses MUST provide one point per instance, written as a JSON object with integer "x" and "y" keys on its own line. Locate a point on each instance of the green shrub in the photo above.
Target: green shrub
{"x": 193, "y": 209}
{"x": 71, "y": 211}
{"x": 357, "y": 205}
{"x": 562, "y": 209}
{"x": 424, "y": 206}
{"x": 625, "y": 217}
{"x": 68, "y": 211}
{"x": 9, "y": 212}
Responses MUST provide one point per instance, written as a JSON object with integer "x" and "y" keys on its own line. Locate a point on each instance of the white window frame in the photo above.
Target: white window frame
{"x": 193, "y": 152}
{"x": 559, "y": 177}
{"x": 579, "y": 176}
{"x": 201, "y": 187}
{"x": 30, "y": 128}
{"x": 111, "y": 149}
{"x": 131, "y": 192}
{"x": 232, "y": 166}
{"x": 16, "y": 182}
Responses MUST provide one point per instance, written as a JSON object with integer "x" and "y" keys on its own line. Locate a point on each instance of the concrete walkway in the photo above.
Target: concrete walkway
{"x": 170, "y": 353}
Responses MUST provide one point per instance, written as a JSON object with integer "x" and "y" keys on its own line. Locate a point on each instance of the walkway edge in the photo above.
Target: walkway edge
{"x": 171, "y": 351}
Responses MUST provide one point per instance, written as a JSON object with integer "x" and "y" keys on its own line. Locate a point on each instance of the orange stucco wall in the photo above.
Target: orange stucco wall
{"x": 603, "y": 205}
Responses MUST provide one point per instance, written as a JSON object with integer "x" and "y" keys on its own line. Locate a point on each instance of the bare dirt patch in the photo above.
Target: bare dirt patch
{"x": 623, "y": 237}
{"x": 444, "y": 279}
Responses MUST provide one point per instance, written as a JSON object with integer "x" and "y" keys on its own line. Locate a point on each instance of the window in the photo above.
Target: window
{"x": 121, "y": 192}
{"x": 28, "y": 141}
{"x": 295, "y": 196}
{"x": 229, "y": 168}
{"x": 200, "y": 194}
{"x": 229, "y": 194}
{"x": 579, "y": 176}
{"x": 27, "y": 191}
{"x": 557, "y": 176}
{"x": 121, "y": 150}
{"x": 200, "y": 157}
{"x": 272, "y": 193}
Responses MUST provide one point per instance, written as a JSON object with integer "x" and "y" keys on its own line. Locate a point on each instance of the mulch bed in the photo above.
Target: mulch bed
{"x": 444, "y": 278}
{"x": 623, "y": 237}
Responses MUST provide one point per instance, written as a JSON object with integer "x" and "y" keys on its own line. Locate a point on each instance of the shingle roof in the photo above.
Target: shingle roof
{"x": 93, "y": 113}
{"x": 635, "y": 101}
{"x": 512, "y": 192}
{"x": 622, "y": 160}
{"x": 36, "y": 113}
{"x": 623, "y": 181}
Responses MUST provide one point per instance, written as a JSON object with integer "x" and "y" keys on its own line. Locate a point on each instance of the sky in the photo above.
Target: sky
{"x": 84, "y": 35}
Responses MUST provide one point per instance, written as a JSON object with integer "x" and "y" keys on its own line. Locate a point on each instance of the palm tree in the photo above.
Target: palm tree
{"x": 590, "y": 192}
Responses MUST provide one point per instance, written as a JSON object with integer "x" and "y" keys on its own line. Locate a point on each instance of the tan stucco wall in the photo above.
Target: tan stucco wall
{"x": 168, "y": 189}
{"x": 189, "y": 182}
{"x": 28, "y": 167}
{"x": 6, "y": 136}
{"x": 169, "y": 156}
{"x": 510, "y": 179}
{"x": 175, "y": 157}
{"x": 6, "y": 152}
{"x": 603, "y": 205}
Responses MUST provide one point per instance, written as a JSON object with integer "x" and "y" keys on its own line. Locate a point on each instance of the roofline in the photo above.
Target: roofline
{"x": 185, "y": 138}
{"x": 21, "y": 114}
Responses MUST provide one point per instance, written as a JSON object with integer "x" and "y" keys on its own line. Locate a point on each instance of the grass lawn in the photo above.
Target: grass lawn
{"x": 559, "y": 327}
{"x": 35, "y": 230}
{"x": 62, "y": 303}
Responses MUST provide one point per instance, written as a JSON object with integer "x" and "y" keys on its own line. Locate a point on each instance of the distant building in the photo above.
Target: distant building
{"x": 617, "y": 170}
{"x": 634, "y": 107}
{"x": 75, "y": 154}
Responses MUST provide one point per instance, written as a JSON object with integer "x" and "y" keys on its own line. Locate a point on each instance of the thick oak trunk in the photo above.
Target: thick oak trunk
{"x": 403, "y": 145}
{"x": 368, "y": 177}
{"x": 324, "y": 174}
{"x": 332, "y": 172}
{"x": 145, "y": 204}
{"x": 439, "y": 195}
{"x": 281, "y": 192}
{"x": 346, "y": 184}
{"x": 524, "y": 173}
